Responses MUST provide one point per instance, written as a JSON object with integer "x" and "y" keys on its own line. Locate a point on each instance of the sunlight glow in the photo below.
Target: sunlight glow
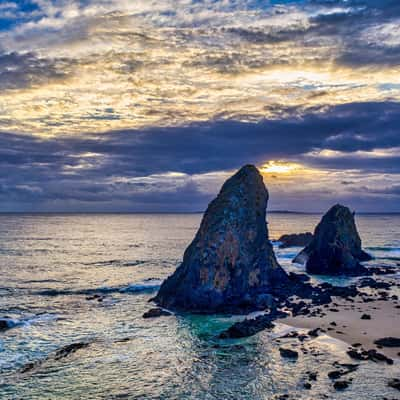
{"x": 279, "y": 167}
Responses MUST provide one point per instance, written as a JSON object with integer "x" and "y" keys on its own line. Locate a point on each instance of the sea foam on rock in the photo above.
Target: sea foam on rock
{"x": 336, "y": 247}
{"x": 230, "y": 266}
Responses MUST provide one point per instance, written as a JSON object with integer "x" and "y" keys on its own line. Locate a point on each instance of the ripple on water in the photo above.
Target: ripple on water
{"x": 176, "y": 357}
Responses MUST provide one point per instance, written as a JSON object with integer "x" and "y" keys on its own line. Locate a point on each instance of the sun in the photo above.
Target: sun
{"x": 278, "y": 167}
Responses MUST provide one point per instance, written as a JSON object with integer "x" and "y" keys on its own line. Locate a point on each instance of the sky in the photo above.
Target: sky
{"x": 149, "y": 105}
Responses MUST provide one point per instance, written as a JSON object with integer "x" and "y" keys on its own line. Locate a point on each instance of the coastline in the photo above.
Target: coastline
{"x": 350, "y": 327}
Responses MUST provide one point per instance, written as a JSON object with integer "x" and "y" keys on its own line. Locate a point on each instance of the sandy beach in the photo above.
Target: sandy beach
{"x": 342, "y": 320}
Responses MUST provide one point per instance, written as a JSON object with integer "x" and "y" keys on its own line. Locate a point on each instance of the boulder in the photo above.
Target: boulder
{"x": 69, "y": 349}
{"x": 230, "y": 265}
{"x": 295, "y": 239}
{"x": 341, "y": 385}
{"x": 288, "y": 353}
{"x": 388, "y": 342}
{"x": 394, "y": 383}
{"x": 336, "y": 247}
{"x": 248, "y": 327}
{"x": 156, "y": 312}
{"x": 4, "y": 325}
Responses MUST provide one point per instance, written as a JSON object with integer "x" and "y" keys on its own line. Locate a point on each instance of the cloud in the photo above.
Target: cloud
{"x": 19, "y": 71}
{"x": 129, "y": 168}
{"x": 170, "y": 63}
{"x": 393, "y": 190}
{"x": 102, "y": 103}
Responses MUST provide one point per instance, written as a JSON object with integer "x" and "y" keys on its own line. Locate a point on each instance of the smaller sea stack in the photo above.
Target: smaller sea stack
{"x": 336, "y": 246}
{"x": 230, "y": 266}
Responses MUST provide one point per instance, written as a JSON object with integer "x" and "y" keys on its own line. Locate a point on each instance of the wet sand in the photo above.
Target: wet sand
{"x": 350, "y": 328}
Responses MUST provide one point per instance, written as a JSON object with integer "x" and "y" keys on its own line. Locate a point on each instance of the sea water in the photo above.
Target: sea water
{"x": 88, "y": 278}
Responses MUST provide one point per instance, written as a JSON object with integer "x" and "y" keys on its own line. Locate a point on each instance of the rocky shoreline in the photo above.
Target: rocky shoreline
{"x": 230, "y": 268}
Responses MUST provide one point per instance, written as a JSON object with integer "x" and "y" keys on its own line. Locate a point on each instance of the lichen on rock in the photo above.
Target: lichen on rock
{"x": 230, "y": 265}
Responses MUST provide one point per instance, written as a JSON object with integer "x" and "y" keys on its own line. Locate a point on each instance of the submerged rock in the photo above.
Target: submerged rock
{"x": 394, "y": 383}
{"x": 230, "y": 266}
{"x": 247, "y": 328}
{"x": 4, "y": 325}
{"x": 69, "y": 349}
{"x": 156, "y": 312}
{"x": 295, "y": 239}
{"x": 336, "y": 247}
{"x": 251, "y": 326}
{"x": 57, "y": 356}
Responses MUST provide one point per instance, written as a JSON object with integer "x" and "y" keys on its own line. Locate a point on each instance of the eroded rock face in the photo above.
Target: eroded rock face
{"x": 230, "y": 265}
{"x": 336, "y": 247}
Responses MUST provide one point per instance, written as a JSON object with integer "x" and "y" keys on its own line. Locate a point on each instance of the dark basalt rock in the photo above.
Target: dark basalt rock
{"x": 30, "y": 366}
{"x": 247, "y": 328}
{"x": 341, "y": 385}
{"x": 156, "y": 312}
{"x": 58, "y": 355}
{"x": 394, "y": 383}
{"x": 230, "y": 266}
{"x": 335, "y": 375}
{"x": 295, "y": 239}
{"x": 314, "y": 332}
{"x": 373, "y": 284}
{"x": 336, "y": 247}
{"x": 69, "y": 349}
{"x": 4, "y": 325}
{"x": 288, "y": 353}
{"x": 371, "y": 355}
{"x": 250, "y": 327}
{"x": 388, "y": 342}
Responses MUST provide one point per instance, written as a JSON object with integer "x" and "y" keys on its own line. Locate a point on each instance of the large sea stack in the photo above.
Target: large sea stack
{"x": 230, "y": 266}
{"x": 336, "y": 247}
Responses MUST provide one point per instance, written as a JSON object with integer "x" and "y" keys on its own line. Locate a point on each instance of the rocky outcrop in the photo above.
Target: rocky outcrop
{"x": 230, "y": 266}
{"x": 156, "y": 312}
{"x": 295, "y": 239}
{"x": 336, "y": 247}
{"x": 388, "y": 342}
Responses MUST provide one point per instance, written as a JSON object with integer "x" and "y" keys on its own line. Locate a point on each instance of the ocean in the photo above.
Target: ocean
{"x": 88, "y": 278}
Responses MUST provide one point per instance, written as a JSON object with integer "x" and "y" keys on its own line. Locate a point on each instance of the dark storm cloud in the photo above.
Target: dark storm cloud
{"x": 360, "y": 55}
{"x": 21, "y": 70}
{"x": 86, "y": 169}
{"x": 258, "y": 36}
{"x": 338, "y": 22}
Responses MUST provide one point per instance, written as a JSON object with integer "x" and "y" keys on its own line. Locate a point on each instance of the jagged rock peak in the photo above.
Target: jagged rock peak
{"x": 230, "y": 265}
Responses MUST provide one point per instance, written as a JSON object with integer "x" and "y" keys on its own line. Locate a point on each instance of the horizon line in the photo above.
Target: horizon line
{"x": 176, "y": 212}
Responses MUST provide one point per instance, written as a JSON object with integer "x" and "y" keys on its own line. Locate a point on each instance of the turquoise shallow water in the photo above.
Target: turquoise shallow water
{"x": 49, "y": 265}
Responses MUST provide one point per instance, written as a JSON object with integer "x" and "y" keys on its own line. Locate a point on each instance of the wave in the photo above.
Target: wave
{"x": 9, "y": 322}
{"x": 119, "y": 263}
{"x": 148, "y": 285}
{"x": 385, "y": 253}
{"x": 286, "y": 256}
{"x": 385, "y": 248}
